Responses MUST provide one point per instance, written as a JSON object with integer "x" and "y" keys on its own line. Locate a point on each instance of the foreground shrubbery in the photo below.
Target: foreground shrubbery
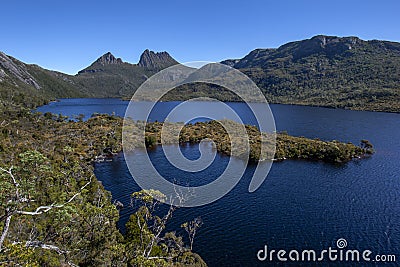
{"x": 53, "y": 211}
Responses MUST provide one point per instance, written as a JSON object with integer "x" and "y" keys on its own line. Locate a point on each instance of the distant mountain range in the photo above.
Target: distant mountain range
{"x": 343, "y": 72}
{"x": 328, "y": 71}
{"x": 111, "y": 77}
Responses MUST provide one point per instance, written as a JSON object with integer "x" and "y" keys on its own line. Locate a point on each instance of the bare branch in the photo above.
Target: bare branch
{"x": 39, "y": 244}
{"x": 5, "y": 230}
{"x": 4, "y": 123}
{"x": 44, "y": 209}
{"x": 181, "y": 195}
{"x": 38, "y": 211}
{"x": 154, "y": 258}
{"x": 191, "y": 228}
{"x": 16, "y": 184}
{"x": 72, "y": 264}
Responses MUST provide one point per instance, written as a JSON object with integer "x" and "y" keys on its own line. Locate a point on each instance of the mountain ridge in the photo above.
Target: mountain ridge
{"x": 156, "y": 60}
{"x": 331, "y": 71}
{"x": 109, "y": 76}
{"x": 323, "y": 44}
{"x": 107, "y": 59}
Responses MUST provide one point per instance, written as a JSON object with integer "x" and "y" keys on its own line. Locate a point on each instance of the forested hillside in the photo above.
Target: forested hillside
{"x": 339, "y": 72}
{"x": 328, "y": 71}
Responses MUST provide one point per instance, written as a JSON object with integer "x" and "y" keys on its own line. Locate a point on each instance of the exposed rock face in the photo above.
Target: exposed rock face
{"x": 329, "y": 45}
{"x": 158, "y": 61}
{"x": 230, "y": 62}
{"x": 16, "y": 69}
{"x": 108, "y": 59}
{"x": 2, "y": 73}
{"x": 323, "y": 46}
{"x": 89, "y": 71}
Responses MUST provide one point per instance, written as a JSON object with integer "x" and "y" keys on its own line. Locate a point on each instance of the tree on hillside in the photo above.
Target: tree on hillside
{"x": 146, "y": 245}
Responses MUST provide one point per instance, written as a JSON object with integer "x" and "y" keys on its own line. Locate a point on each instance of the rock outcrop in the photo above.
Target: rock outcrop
{"x": 156, "y": 61}
{"x": 108, "y": 59}
{"x": 16, "y": 69}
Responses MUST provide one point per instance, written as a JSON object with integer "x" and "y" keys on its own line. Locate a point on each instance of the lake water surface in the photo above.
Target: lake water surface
{"x": 301, "y": 205}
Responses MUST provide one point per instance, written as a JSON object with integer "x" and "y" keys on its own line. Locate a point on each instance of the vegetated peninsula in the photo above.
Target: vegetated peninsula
{"x": 330, "y": 71}
{"x": 54, "y": 212}
{"x": 48, "y": 188}
{"x": 285, "y": 146}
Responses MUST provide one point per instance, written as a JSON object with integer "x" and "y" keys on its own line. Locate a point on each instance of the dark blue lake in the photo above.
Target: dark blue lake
{"x": 301, "y": 205}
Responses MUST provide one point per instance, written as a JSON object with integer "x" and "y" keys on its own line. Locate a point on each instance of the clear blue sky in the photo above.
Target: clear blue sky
{"x": 69, "y": 35}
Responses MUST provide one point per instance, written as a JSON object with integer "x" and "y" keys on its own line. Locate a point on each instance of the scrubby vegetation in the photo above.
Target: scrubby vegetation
{"x": 54, "y": 212}
{"x": 287, "y": 147}
{"x": 328, "y": 71}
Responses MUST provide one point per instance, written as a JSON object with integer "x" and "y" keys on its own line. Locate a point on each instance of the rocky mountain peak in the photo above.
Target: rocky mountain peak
{"x": 108, "y": 59}
{"x": 153, "y": 60}
{"x": 16, "y": 69}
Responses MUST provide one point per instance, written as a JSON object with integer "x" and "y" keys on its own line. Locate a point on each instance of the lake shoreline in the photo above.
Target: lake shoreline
{"x": 272, "y": 103}
{"x": 306, "y": 204}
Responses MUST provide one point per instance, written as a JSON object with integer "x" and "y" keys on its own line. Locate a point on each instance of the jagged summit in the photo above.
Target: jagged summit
{"x": 323, "y": 70}
{"x": 108, "y": 59}
{"x": 149, "y": 61}
{"x": 105, "y": 60}
{"x": 159, "y": 60}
